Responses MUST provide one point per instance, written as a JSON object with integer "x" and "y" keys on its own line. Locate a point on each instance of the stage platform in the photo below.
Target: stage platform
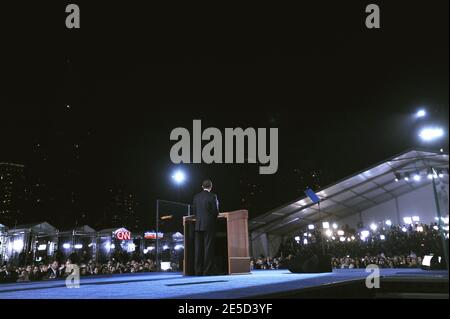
{"x": 345, "y": 283}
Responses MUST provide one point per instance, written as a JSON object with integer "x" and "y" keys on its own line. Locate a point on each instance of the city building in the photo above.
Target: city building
{"x": 13, "y": 193}
{"x": 121, "y": 210}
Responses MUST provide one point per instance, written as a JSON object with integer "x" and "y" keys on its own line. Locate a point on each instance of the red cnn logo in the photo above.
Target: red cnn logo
{"x": 123, "y": 234}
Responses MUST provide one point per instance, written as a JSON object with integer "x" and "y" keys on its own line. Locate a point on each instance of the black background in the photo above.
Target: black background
{"x": 341, "y": 95}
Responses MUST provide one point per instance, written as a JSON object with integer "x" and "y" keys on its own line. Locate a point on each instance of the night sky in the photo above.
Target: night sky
{"x": 342, "y": 96}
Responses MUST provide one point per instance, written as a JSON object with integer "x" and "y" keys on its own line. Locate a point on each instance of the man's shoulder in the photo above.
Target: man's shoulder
{"x": 204, "y": 194}
{"x": 199, "y": 195}
{"x": 213, "y": 195}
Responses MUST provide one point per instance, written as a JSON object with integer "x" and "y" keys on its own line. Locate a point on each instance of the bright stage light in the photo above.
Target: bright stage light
{"x": 42, "y": 247}
{"x": 165, "y": 247}
{"x": 407, "y": 220}
{"x": 431, "y": 133}
{"x": 78, "y": 246}
{"x": 342, "y": 238}
{"x": 18, "y": 245}
{"x": 165, "y": 265}
{"x": 326, "y": 225}
{"x": 178, "y": 177}
{"x": 404, "y": 229}
{"x": 417, "y": 178}
{"x": 382, "y": 237}
{"x": 178, "y": 247}
{"x": 305, "y": 241}
{"x": 416, "y": 219}
{"x": 421, "y": 113}
{"x": 66, "y": 246}
{"x": 335, "y": 226}
{"x": 340, "y": 232}
{"x": 373, "y": 227}
{"x": 388, "y": 222}
{"x": 310, "y": 226}
{"x": 365, "y": 234}
{"x": 297, "y": 238}
{"x": 328, "y": 232}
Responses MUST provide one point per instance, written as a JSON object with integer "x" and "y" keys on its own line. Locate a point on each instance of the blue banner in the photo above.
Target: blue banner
{"x": 313, "y": 196}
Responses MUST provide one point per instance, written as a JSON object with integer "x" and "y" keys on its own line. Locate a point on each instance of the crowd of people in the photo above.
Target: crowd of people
{"x": 393, "y": 246}
{"x": 386, "y": 246}
{"x": 347, "y": 262}
{"x": 55, "y": 270}
{"x": 405, "y": 261}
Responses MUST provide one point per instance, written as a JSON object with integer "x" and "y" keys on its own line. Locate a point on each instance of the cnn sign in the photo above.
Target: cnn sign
{"x": 122, "y": 234}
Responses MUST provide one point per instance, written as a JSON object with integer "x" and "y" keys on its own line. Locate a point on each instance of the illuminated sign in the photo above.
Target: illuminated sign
{"x": 122, "y": 234}
{"x": 177, "y": 235}
{"x": 152, "y": 235}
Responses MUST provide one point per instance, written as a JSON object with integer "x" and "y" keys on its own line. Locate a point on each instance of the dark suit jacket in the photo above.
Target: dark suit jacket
{"x": 205, "y": 208}
{"x": 53, "y": 273}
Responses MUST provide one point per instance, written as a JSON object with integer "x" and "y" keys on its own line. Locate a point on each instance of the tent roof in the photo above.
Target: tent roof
{"x": 81, "y": 229}
{"x": 355, "y": 193}
{"x": 42, "y": 227}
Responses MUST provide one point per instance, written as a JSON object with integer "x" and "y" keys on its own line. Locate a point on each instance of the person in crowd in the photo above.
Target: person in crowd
{"x": 54, "y": 270}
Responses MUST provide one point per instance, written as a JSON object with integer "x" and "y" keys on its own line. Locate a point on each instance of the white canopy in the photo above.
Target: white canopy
{"x": 356, "y": 193}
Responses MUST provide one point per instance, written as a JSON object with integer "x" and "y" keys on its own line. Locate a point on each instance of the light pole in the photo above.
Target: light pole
{"x": 158, "y": 201}
{"x": 178, "y": 177}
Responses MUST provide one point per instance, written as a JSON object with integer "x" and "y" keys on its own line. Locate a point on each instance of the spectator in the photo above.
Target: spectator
{"x": 54, "y": 271}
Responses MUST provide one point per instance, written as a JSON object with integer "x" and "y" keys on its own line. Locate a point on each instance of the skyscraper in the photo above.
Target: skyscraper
{"x": 121, "y": 210}
{"x": 13, "y": 193}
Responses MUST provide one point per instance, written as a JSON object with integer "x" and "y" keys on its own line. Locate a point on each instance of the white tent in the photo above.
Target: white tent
{"x": 396, "y": 188}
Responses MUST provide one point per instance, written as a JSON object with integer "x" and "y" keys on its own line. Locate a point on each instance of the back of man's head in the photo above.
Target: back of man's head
{"x": 207, "y": 184}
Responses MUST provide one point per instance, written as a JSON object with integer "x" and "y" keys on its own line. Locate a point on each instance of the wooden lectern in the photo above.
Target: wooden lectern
{"x": 232, "y": 246}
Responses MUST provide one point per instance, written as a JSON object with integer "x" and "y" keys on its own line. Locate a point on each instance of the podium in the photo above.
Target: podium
{"x": 232, "y": 243}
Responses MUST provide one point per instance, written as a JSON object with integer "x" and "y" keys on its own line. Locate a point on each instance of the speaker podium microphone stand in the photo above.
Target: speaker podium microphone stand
{"x": 232, "y": 243}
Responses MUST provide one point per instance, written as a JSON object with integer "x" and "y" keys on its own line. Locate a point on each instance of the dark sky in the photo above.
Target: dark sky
{"x": 341, "y": 95}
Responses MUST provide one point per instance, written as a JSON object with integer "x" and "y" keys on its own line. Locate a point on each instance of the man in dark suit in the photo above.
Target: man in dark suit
{"x": 54, "y": 272}
{"x": 206, "y": 208}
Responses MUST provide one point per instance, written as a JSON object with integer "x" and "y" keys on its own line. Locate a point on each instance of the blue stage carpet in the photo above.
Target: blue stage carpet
{"x": 174, "y": 285}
